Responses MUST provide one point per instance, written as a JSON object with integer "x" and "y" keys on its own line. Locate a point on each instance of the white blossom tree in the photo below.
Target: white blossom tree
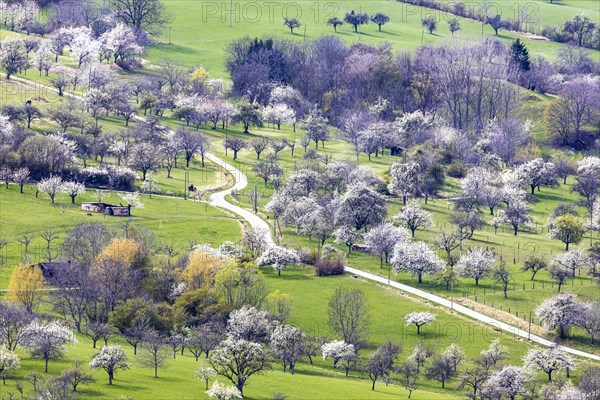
{"x": 279, "y": 258}
{"x": 289, "y": 345}
{"x": 495, "y": 353}
{"x": 509, "y": 382}
{"x": 419, "y": 319}
{"x": 413, "y": 216}
{"x": 559, "y": 271}
{"x": 6, "y": 129}
{"x": 516, "y": 214}
{"x": 83, "y": 48}
{"x": 52, "y": 186}
{"x": 278, "y": 114}
{"x": 42, "y": 59}
{"x": 110, "y": 359}
{"x": 537, "y": 172}
{"x": 205, "y": 373}
{"x": 120, "y": 43}
{"x": 239, "y": 359}
{"x": 588, "y": 186}
{"x": 346, "y": 235}
{"x": 222, "y": 392}
{"x": 548, "y": 360}
{"x": 250, "y": 324}
{"x": 573, "y": 260}
{"x": 476, "y": 264}
{"x": 361, "y": 207}
{"x": 405, "y": 179}
{"x": 21, "y": 177}
{"x": 132, "y": 199}
{"x": 9, "y": 362}
{"x": 48, "y": 340}
{"x": 416, "y": 258}
{"x": 456, "y": 354}
{"x": 72, "y": 189}
{"x": 382, "y": 238}
{"x": 561, "y": 312}
{"x": 338, "y": 350}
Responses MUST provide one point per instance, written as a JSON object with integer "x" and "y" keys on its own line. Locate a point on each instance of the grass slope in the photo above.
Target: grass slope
{"x": 201, "y": 31}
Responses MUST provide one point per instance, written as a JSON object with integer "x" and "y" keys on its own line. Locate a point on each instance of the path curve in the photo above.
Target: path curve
{"x": 218, "y": 200}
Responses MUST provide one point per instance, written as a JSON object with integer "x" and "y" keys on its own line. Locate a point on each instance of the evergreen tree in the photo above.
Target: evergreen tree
{"x": 520, "y": 55}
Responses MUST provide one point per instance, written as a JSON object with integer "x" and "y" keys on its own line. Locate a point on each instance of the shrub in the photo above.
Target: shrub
{"x": 331, "y": 265}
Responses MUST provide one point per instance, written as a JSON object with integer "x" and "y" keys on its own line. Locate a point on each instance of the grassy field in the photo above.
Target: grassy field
{"x": 201, "y": 30}
{"x": 541, "y": 12}
{"x": 171, "y": 220}
{"x": 308, "y": 294}
{"x": 524, "y": 295}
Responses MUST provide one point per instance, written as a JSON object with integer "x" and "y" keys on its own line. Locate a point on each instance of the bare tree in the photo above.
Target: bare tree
{"x": 49, "y": 235}
{"x": 154, "y": 353}
{"x": 349, "y": 315}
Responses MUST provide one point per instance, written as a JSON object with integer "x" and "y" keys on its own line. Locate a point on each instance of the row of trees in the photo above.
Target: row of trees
{"x": 581, "y": 29}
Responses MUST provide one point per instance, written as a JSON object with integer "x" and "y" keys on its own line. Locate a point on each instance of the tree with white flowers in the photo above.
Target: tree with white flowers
{"x": 413, "y": 216}
{"x": 289, "y": 345}
{"x": 588, "y": 186}
{"x": 516, "y": 214}
{"x": 338, "y": 350}
{"x": 559, "y": 271}
{"x": 573, "y": 260}
{"x": 52, "y": 186}
{"x": 476, "y": 264}
{"x": 84, "y": 49}
{"x": 239, "y": 359}
{"x": 6, "y": 129}
{"x": 42, "y": 59}
{"x": 222, "y": 392}
{"x": 73, "y": 189}
{"x": 419, "y": 319}
{"x": 21, "y": 177}
{"x": 9, "y": 362}
{"x": 346, "y": 235}
{"x": 205, "y": 373}
{"x": 48, "y": 340}
{"x": 536, "y": 173}
{"x": 417, "y": 259}
{"x": 549, "y": 360}
{"x": 110, "y": 359}
{"x": 132, "y": 199}
{"x": 250, "y": 324}
{"x": 120, "y": 43}
{"x": 382, "y": 238}
{"x": 361, "y": 207}
{"x": 279, "y": 114}
{"x": 405, "y": 179}
{"x": 561, "y": 312}
{"x": 495, "y": 353}
{"x": 456, "y": 354}
{"x": 13, "y": 57}
{"x": 279, "y": 258}
{"x": 509, "y": 382}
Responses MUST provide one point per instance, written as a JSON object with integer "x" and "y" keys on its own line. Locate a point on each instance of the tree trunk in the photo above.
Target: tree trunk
{"x": 110, "y": 378}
